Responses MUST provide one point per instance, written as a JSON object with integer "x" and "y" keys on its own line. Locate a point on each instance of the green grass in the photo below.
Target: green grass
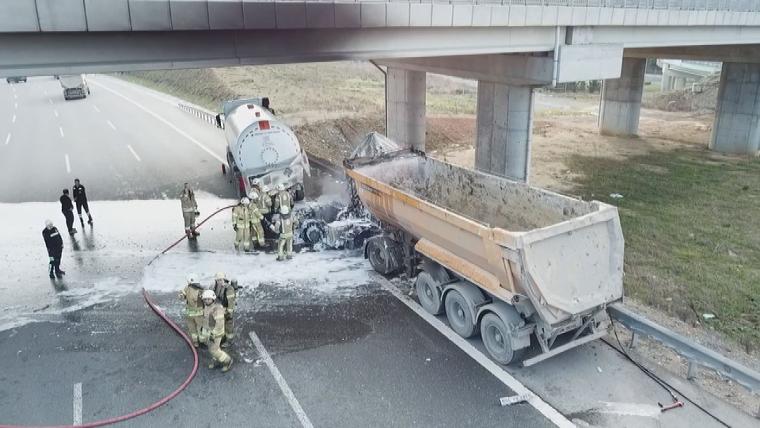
{"x": 692, "y": 230}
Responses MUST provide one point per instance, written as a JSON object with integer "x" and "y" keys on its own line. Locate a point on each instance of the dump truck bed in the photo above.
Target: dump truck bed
{"x": 511, "y": 239}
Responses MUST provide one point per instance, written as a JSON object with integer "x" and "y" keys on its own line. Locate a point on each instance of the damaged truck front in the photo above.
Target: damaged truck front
{"x": 500, "y": 258}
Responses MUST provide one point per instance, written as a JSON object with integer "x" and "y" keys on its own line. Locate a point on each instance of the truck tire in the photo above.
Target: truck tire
{"x": 497, "y": 340}
{"x": 428, "y": 293}
{"x": 459, "y": 314}
{"x": 379, "y": 256}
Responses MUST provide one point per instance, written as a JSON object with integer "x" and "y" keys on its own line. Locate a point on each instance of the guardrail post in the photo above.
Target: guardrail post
{"x": 691, "y": 374}
{"x": 634, "y": 340}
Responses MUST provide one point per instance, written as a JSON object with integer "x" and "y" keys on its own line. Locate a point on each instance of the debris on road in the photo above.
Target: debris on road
{"x": 514, "y": 399}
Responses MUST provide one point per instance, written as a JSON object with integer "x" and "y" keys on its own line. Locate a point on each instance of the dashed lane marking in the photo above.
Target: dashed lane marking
{"x": 134, "y": 153}
{"x": 13, "y": 120}
{"x": 305, "y": 422}
{"x": 8, "y": 139}
{"x": 68, "y": 164}
{"x": 165, "y": 121}
{"x": 77, "y": 404}
{"x": 502, "y": 375}
{"x": 55, "y": 112}
{"x": 111, "y": 125}
{"x": 96, "y": 108}
{"x": 60, "y": 129}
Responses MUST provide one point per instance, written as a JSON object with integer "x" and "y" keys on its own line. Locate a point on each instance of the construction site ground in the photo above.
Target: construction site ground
{"x": 692, "y": 243}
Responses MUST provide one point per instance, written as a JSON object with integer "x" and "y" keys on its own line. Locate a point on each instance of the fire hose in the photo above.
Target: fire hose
{"x": 173, "y": 326}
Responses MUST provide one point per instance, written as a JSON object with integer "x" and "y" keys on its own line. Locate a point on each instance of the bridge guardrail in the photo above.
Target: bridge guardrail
{"x": 684, "y": 5}
{"x": 199, "y": 113}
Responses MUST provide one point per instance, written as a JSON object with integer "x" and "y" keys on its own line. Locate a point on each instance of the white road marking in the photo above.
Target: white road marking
{"x": 68, "y": 164}
{"x": 166, "y": 122}
{"x": 134, "y": 153}
{"x": 60, "y": 129}
{"x": 55, "y": 112}
{"x": 14, "y": 119}
{"x": 96, "y": 108}
{"x": 50, "y": 100}
{"x": 15, "y": 97}
{"x": 77, "y": 404}
{"x": 8, "y": 139}
{"x": 305, "y": 422}
{"x": 15, "y": 106}
{"x": 111, "y": 125}
{"x": 507, "y": 379}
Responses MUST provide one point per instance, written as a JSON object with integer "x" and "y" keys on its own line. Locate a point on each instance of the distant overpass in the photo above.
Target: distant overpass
{"x": 677, "y": 73}
{"x": 509, "y": 46}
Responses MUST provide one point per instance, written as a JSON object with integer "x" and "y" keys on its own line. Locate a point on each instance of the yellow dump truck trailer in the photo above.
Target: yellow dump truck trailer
{"x": 499, "y": 257}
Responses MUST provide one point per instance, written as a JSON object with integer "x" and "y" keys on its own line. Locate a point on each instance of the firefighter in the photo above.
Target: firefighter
{"x": 213, "y": 330}
{"x": 255, "y": 218}
{"x": 226, "y": 292}
{"x": 80, "y": 199}
{"x": 284, "y": 226}
{"x": 282, "y": 199}
{"x": 67, "y": 208}
{"x": 240, "y": 224}
{"x": 191, "y": 294}
{"x": 54, "y": 244}
{"x": 189, "y": 211}
{"x": 265, "y": 200}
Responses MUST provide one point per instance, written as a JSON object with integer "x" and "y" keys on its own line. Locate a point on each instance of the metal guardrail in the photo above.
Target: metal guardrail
{"x": 199, "y": 113}
{"x": 684, "y": 5}
{"x": 696, "y": 354}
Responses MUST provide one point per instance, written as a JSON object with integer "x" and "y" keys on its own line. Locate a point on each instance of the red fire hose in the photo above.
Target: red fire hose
{"x": 176, "y": 329}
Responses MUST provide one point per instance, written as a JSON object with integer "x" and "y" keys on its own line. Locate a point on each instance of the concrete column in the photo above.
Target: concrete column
{"x": 667, "y": 80}
{"x": 621, "y": 100}
{"x": 504, "y": 130}
{"x": 680, "y": 83}
{"x": 405, "y": 107}
{"x": 737, "y": 116}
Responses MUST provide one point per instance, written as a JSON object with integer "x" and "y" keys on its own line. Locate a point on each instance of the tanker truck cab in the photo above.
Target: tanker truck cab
{"x": 259, "y": 146}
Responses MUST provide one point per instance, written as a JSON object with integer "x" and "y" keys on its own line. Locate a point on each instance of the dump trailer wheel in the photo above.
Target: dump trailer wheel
{"x": 379, "y": 257}
{"x": 459, "y": 314}
{"x": 428, "y": 293}
{"x": 497, "y": 340}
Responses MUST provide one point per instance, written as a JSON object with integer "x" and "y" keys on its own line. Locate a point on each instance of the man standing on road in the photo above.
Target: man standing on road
{"x": 226, "y": 292}
{"x": 255, "y": 218}
{"x": 191, "y": 294}
{"x": 54, "y": 244}
{"x": 189, "y": 211}
{"x": 213, "y": 330}
{"x": 282, "y": 199}
{"x": 284, "y": 227}
{"x": 240, "y": 224}
{"x": 67, "y": 208}
{"x": 80, "y": 198}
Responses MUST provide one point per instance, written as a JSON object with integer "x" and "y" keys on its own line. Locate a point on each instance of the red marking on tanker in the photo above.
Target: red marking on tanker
{"x": 264, "y": 125}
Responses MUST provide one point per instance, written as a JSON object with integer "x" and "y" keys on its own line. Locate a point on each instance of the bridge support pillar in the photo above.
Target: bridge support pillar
{"x": 621, "y": 100}
{"x": 405, "y": 107}
{"x": 504, "y": 128}
{"x": 667, "y": 79}
{"x": 737, "y": 116}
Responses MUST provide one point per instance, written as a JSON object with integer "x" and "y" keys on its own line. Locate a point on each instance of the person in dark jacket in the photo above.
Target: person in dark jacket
{"x": 80, "y": 199}
{"x": 67, "y": 208}
{"x": 54, "y": 244}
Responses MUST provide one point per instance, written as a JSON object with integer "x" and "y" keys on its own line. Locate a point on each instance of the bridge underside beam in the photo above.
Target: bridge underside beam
{"x": 748, "y": 54}
{"x": 62, "y": 53}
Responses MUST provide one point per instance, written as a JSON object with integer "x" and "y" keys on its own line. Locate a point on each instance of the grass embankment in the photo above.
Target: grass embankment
{"x": 692, "y": 234}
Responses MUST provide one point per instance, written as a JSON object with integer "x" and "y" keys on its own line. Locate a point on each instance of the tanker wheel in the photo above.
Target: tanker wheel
{"x": 428, "y": 293}
{"x": 497, "y": 340}
{"x": 459, "y": 315}
{"x": 378, "y": 256}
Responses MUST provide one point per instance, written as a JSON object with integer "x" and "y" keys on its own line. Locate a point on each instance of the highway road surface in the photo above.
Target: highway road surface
{"x": 321, "y": 342}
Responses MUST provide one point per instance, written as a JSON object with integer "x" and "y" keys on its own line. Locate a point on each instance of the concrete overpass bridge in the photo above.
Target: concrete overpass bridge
{"x": 509, "y": 46}
{"x": 677, "y": 73}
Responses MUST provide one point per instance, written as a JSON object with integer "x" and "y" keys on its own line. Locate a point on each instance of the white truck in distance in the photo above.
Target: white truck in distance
{"x": 260, "y": 146}
{"x": 74, "y": 86}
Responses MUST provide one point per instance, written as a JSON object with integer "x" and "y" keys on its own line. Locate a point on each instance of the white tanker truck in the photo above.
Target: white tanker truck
{"x": 260, "y": 146}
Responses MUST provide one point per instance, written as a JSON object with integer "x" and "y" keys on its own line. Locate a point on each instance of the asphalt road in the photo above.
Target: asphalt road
{"x": 343, "y": 350}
